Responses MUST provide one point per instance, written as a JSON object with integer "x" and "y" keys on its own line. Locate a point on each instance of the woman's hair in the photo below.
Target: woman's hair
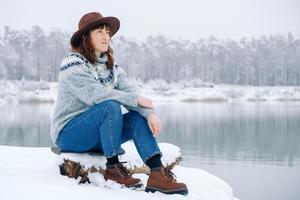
{"x": 86, "y": 48}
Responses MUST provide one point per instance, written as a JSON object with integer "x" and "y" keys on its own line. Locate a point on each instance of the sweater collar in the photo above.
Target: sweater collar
{"x": 102, "y": 59}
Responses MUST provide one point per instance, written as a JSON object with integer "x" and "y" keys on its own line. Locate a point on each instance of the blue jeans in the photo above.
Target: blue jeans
{"x": 104, "y": 128}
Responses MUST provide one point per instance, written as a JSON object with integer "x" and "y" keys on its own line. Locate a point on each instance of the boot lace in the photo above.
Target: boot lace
{"x": 122, "y": 170}
{"x": 169, "y": 174}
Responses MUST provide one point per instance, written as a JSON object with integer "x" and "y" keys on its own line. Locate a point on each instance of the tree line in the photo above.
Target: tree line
{"x": 266, "y": 60}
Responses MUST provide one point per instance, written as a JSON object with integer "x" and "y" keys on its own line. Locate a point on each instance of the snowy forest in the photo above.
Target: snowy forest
{"x": 265, "y": 61}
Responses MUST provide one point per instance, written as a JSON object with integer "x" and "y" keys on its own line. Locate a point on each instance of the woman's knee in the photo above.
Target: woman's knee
{"x": 113, "y": 107}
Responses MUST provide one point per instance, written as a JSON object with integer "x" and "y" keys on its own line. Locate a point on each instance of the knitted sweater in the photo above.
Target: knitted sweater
{"x": 82, "y": 85}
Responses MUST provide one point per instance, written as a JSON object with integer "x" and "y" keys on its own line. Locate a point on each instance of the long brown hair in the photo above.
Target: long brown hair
{"x": 86, "y": 49}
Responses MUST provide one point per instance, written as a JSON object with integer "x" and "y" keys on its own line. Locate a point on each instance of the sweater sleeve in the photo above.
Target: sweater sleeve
{"x": 126, "y": 85}
{"x": 82, "y": 84}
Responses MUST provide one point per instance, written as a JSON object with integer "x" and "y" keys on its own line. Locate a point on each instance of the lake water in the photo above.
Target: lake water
{"x": 255, "y": 147}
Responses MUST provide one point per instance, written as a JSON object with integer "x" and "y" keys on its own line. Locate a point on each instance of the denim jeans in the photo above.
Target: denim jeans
{"x": 104, "y": 128}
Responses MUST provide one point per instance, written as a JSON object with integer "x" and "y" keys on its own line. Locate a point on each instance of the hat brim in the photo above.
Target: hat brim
{"x": 113, "y": 22}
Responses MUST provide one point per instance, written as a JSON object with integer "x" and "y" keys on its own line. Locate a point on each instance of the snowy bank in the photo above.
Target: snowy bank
{"x": 33, "y": 173}
{"x": 158, "y": 91}
{"x": 27, "y": 92}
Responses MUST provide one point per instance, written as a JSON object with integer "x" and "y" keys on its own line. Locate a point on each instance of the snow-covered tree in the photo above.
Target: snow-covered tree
{"x": 266, "y": 60}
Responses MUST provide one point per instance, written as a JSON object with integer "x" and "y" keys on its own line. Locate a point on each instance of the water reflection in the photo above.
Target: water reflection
{"x": 207, "y": 133}
{"x": 252, "y": 132}
{"x": 25, "y": 125}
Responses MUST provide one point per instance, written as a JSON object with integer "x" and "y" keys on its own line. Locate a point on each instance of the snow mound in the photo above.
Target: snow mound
{"x": 171, "y": 157}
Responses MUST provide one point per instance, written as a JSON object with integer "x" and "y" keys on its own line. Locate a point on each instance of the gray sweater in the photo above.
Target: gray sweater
{"x": 82, "y": 85}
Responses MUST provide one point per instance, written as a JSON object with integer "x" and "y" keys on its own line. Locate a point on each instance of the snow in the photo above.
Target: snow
{"x": 33, "y": 173}
{"x": 158, "y": 91}
{"x": 27, "y": 92}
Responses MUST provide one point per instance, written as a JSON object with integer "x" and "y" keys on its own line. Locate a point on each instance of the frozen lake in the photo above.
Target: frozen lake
{"x": 255, "y": 147}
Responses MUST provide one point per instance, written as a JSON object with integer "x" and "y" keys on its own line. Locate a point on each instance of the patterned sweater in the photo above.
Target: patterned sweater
{"x": 82, "y": 85}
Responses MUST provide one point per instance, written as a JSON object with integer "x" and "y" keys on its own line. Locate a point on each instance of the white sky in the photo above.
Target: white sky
{"x": 188, "y": 19}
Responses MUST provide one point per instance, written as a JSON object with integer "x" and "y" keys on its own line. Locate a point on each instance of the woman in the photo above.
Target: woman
{"x": 87, "y": 115}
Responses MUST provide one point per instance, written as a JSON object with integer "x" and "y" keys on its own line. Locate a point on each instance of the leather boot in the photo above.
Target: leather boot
{"x": 121, "y": 175}
{"x": 163, "y": 181}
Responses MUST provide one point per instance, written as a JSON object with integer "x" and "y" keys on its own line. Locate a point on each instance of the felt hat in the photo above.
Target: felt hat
{"x": 89, "y": 21}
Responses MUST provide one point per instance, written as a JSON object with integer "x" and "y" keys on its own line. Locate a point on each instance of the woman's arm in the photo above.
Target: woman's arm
{"x": 126, "y": 85}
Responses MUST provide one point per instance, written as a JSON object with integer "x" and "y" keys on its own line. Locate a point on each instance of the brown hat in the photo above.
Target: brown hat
{"x": 90, "y": 20}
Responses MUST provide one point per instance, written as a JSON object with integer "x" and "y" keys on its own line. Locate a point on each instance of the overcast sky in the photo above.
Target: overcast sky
{"x": 188, "y": 19}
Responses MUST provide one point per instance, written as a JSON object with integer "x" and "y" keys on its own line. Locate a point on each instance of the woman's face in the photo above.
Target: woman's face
{"x": 100, "y": 40}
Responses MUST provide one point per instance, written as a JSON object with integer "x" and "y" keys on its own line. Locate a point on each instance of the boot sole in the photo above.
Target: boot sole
{"x": 177, "y": 191}
{"x": 135, "y": 186}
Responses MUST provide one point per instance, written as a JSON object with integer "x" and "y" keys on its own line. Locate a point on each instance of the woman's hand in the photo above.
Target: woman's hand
{"x": 145, "y": 102}
{"x": 154, "y": 124}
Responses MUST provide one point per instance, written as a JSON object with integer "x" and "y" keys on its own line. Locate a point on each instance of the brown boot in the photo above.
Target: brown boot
{"x": 163, "y": 180}
{"x": 122, "y": 175}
